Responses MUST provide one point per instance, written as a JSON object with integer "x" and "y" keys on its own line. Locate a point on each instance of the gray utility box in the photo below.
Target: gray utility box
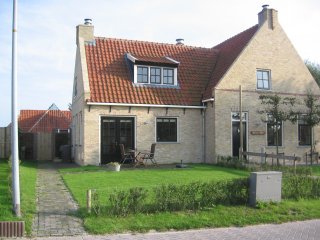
{"x": 265, "y": 187}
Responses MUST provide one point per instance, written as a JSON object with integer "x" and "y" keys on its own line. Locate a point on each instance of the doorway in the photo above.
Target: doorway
{"x": 115, "y": 131}
{"x": 236, "y": 132}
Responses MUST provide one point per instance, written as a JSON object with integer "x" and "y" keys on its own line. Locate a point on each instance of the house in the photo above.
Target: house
{"x": 43, "y": 132}
{"x": 184, "y": 98}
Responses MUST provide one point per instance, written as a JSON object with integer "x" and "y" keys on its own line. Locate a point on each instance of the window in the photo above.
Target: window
{"x": 155, "y": 75}
{"x": 142, "y": 74}
{"x": 272, "y": 129}
{"x": 304, "y": 132}
{"x": 166, "y": 130}
{"x": 263, "y": 79}
{"x": 167, "y": 76}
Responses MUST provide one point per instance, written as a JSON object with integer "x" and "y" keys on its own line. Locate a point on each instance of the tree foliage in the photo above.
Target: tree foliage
{"x": 312, "y": 114}
{"x": 314, "y": 69}
{"x": 277, "y": 110}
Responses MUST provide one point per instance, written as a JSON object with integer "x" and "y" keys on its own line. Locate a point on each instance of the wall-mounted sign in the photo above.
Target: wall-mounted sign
{"x": 258, "y": 132}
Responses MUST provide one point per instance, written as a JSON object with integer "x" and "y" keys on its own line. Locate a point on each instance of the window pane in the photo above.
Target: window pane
{"x": 260, "y": 84}
{"x": 272, "y": 130}
{"x": 304, "y": 134}
{"x": 167, "y": 76}
{"x": 142, "y": 75}
{"x": 166, "y": 130}
{"x": 266, "y": 84}
{"x": 155, "y": 75}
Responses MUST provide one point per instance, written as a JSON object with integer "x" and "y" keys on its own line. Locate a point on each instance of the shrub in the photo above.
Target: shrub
{"x": 124, "y": 202}
{"x": 197, "y": 195}
{"x": 297, "y": 187}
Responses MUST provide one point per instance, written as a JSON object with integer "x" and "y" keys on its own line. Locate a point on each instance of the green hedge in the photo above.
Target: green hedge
{"x": 297, "y": 187}
{"x": 171, "y": 197}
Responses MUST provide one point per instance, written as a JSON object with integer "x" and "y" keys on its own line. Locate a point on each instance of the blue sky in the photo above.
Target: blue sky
{"x": 46, "y": 36}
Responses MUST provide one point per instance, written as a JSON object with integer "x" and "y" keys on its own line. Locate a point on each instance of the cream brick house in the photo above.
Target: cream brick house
{"x": 184, "y": 98}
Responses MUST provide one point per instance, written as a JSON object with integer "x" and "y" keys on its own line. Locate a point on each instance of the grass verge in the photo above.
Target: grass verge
{"x": 28, "y": 176}
{"x": 219, "y": 216}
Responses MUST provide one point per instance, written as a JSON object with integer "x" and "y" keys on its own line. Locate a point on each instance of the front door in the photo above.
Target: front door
{"x": 115, "y": 131}
{"x": 236, "y": 133}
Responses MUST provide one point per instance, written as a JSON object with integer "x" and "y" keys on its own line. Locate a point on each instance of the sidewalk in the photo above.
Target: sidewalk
{"x": 304, "y": 230}
{"x": 54, "y": 206}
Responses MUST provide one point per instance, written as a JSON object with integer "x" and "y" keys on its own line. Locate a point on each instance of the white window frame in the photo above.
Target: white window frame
{"x": 269, "y": 80}
{"x": 178, "y": 129}
{"x": 175, "y": 75}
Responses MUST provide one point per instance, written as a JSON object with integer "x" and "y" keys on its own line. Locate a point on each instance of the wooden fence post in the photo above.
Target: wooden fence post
{"x": 89, "y": 200}
{"x": 295, "y": 164}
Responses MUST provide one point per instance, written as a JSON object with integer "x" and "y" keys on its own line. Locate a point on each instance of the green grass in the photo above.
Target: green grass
{"x": 80, "y": 179}
{"x": 316, "y": 170}
{"x": 106, "y": 181}
{"x": 28, "y": 175}
{"x": 219, "y": 216}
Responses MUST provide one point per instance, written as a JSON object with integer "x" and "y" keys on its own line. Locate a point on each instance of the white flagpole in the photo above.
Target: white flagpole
{"x": 14, "y": 119}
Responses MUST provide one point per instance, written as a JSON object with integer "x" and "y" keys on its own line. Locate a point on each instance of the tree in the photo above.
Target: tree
{"x": 314, "y": 69}
{"x": 275, "y": 112}
{"x": 312, "y": 115}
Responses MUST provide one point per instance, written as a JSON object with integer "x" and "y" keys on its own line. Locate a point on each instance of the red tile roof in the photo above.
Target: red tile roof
{"x": 199, "y": 70}
{"x": 43, "y": 120}
{"x": 228, "y": 52}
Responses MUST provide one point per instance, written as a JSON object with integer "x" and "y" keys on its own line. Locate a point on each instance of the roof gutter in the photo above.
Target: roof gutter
{"x": 208, "y": 100}
{"x": 144, "y": 105}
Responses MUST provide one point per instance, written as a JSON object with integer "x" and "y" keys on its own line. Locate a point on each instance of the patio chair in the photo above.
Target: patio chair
{"x": 143, "y": 157}
{"x": 125, "y": 155}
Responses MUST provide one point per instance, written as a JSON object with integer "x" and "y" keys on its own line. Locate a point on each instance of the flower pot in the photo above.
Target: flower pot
{"x": 115, "y": 168}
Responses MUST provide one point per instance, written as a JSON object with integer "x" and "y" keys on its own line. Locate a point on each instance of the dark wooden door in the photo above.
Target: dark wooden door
{"x": 236, "y": 138}
{"x": 115, "y": 131}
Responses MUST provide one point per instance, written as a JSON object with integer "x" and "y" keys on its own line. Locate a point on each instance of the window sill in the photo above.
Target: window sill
{"x": 167, "y": 142}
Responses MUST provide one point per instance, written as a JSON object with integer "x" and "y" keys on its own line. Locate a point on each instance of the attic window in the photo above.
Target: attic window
{"x": 153, "y": 70}
{"x": 155, "y": 75}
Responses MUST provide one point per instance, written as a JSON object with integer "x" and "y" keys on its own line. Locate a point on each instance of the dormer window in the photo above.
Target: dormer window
{"x": 154, "y": 70}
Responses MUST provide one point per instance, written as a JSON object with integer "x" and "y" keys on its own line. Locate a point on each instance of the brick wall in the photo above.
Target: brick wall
{"x": 188, "y": 148}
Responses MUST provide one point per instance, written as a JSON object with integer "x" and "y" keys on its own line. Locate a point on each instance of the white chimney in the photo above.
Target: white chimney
{"x": 268, "y": 15}
{"x": 85, "y": 31}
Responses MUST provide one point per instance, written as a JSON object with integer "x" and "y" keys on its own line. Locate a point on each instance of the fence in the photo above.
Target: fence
{"x": 263, "y": 156}
{"x": 5, "y": 136}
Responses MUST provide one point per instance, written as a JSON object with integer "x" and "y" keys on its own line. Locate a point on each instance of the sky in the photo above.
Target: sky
{"x": 47, "y": 36}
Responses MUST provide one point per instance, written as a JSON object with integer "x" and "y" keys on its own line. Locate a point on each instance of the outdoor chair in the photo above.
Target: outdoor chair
{"x": 125, "y": 155}
{"x": 143, "y": 157}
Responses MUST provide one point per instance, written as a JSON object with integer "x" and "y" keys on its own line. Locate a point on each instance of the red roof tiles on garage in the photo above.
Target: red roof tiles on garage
{"x": 199, "y": 70}
{"x": 43, "y": 120}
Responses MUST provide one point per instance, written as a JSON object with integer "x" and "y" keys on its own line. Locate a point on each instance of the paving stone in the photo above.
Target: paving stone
{"x": 54, "y": 206}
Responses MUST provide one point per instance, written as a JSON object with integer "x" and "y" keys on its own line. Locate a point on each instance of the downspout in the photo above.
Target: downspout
{"x": 203, "y": 135}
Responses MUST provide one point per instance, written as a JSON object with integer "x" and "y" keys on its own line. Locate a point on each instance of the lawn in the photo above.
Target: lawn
{"x": 316, "y": 170}
{"x": 28, "y": 175}
{"x": 106, "y": 181}
{"x": 79, "y": 180}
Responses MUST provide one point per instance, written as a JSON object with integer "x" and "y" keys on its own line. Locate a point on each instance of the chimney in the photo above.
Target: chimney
{"x": 85, "y": 31}
{"x": 179, "y": 41}
{"x": 268, "y": 15}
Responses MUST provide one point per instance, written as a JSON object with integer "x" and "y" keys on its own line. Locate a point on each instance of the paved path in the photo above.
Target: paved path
{"x": 306, "y": 230}
{"x": 54, "y": 206}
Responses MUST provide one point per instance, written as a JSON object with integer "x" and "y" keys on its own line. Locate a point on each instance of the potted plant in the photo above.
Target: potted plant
{"x": 114, "y": 166}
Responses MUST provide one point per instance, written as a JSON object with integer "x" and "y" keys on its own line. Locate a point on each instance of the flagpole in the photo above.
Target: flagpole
{"x": 14, "y": 119}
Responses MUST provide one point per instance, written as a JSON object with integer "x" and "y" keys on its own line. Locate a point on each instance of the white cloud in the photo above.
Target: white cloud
{"x": 46, "y": 36}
